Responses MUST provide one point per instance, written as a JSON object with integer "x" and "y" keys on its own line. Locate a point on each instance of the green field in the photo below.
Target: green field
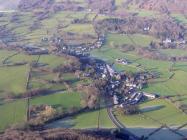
{"x": 12, "y": 113}
{"x": 13, "y": 79}
{"x": 179, "y": 18}
{"x": 80, "y": 28}
{"x": 166, "y": 114}
{"x": 174, "y": 52}
{"x": 4, "y": 54}
{"x": 15, "y": 112}
{"x": 85, "y": 121}
{"x": 52, "y": 61}
{"x": 174, "y": 86}
{"x": 66, "y": 100}
{"x": 92, "y": 120}
{"x": 22, "y": 58}
{"x": 134, "y": 39}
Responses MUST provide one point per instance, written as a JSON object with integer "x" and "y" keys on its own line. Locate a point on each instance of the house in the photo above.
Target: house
{"x": 115, "y": 100}
{"x": 122, "y": 61}
{"x": 149, "y": 96}
{"x": 146, "y": 28}
{"x": 45, "y": 39}
{"x": 140, "y": 86}
{"x": 104, "y": 76}
{"x": 89, "y": 10}
{"x": 110, "y": 70}
{"x": 138, "y": 96}
{"x": 167, "y": 40}
{"x": 131, "y": 85}
{"x": 181, "y": 41}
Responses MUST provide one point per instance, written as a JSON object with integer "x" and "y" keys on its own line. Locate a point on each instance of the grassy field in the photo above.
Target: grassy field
{"x": 13, "y": 79}
{"x": 85, "y": 121}
{"x": 15, "y": 112}
{"x": 22, "y": 58}
{"x": 174, "y": 86}
{"x": 12, "y": 113}
{"x": 179, "y": 18}
{"x": 52, "y": 61}
{"x": 92, "y": 120}
{"x": 80, "y": 28}
{"x": 66, "y": 100}
{"x": 15, "y": 57}
{"x": 135, "y": 39}
{"x": 4, "y": 54}
{"x": 162, "y": 111}
{"x": 174, "y": 52}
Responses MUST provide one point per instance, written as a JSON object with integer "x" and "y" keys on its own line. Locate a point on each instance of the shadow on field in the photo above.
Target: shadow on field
{"x": 152, "y": 108}
{"x": 63, "y": 123}
{"x": 72, "y": 81}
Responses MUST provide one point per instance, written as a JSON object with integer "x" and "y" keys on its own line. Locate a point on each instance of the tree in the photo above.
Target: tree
{"x": 131, "y": 109}
{"x": 90, "y": 97}
{"x": 71, "y": 66}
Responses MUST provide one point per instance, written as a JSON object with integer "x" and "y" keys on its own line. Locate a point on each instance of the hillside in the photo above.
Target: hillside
{"x": 57, "y": 134}
{"x": 173, "y": 6}
{"x": 84, "y": 65}
{"x": 8, "y": 4}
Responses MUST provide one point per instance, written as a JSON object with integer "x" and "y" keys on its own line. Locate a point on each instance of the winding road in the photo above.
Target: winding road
{"x": 119, "y": 125}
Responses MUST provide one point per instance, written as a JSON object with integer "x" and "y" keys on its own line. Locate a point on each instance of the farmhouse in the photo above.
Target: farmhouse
{"x": 180, "y": 41}
{"x": 115, "y": 100}
{"x": 122, "y": 61}
{"x": 167, "y": 40}
{"x": 146, "y": 28}
{"x": 149, "y": 96}
{"x": 110, "y": 70}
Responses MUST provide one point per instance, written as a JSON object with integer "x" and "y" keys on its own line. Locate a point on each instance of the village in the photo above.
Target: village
{"x": 94, "y": 64}
{"x": 123, "y": 89}
{"x": 131, "y": 87}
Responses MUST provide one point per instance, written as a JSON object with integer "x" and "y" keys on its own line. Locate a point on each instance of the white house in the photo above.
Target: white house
{"x": 115, "y": 100}
{"x": 167, "y": 41}
{"x": 150, "y": 96}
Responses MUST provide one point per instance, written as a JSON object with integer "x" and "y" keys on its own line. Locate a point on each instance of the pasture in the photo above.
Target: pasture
{"x": 162, "y": 112}
{"x": 15, "y": 112}
{"x": 13, "y": 80}
{"x": 179, "y": 18}
{"x": 52, "y": 61}
{"x": 80, "y": 28}
{"x": 134, "y": 39}
{"x": 79, "y": 122}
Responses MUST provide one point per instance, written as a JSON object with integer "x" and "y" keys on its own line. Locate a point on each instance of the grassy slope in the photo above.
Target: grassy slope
{"x": 4, "y": 54}
{"x": 52, "y": 61}
{"x": 13, "y": 79}
{"x": 174, "y": 52}
{"x": 167, "y": 115}
{"x": 66, "y": 100}
{"x": 179, "y": 18}
{"x": 80, "y": 28}
{"x": 139, "y": 39}
{"x": 14, "y": 112}
{"x": 90, "y": 120}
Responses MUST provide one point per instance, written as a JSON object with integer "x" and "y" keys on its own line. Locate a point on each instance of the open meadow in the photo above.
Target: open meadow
{"x": 14, "y": 112}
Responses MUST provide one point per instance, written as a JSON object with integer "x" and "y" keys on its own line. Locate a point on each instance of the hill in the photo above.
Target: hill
{"x": 8, "y": 4}
{"x": 57, "y": 134}
{"x": 169, "y": 6}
